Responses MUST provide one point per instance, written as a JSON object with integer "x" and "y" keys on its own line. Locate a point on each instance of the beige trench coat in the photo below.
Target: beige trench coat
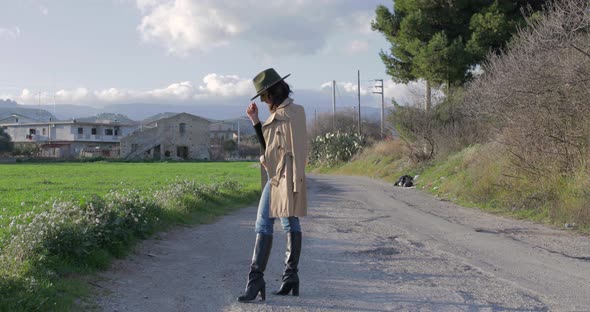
{"x": 285, "y": 134}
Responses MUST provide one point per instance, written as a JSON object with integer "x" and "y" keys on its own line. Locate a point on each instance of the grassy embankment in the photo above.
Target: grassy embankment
{"x": 61, "y": 222}
{"x": 482, "y": 176}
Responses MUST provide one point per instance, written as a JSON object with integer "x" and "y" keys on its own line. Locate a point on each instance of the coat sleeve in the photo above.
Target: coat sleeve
{"x": 299, "y": 148}
{"x": 260, "y": 136}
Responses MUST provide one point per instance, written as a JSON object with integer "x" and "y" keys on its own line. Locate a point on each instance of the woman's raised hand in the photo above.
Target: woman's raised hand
{"x": 252, "y": 112}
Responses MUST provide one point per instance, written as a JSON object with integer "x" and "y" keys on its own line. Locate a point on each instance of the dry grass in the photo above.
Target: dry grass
{"x": 484, "y": 176}
{"x": 391, "y": 148}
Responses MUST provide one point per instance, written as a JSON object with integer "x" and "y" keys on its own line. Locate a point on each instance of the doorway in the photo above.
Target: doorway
{"x": 182, "y": 152}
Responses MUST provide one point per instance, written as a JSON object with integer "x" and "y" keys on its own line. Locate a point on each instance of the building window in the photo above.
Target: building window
{"x": 134, "y": 147}
{"x": 182, "y": 128}
{"x": 44, "y": 131}
{"x": 80, "y": 130}
{"x": 108, "y": 131}
{"x": 93, "y": 131}
{"x": 117, "y": 131}
{"x": 32, "y": 131}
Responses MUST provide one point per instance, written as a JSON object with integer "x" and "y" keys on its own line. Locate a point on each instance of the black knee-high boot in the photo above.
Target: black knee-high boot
{"x": 256, "y": 283}
{"x": 290, "y": 276}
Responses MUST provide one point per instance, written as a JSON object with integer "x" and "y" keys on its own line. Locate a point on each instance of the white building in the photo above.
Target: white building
{"x": 67, "y": 139}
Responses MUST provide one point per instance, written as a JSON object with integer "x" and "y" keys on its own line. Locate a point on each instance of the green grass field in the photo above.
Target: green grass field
{"x": 46, "y": 254}
{"x": 23, "y": 187}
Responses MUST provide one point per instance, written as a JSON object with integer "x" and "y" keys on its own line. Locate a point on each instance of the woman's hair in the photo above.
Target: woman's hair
{"x": 278, "y": 93}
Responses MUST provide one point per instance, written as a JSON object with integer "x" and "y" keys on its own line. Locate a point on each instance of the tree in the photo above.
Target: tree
{"x": 441, "y": 41}
{"x": 5, "y": 141}
{"x": 534, "y": 96}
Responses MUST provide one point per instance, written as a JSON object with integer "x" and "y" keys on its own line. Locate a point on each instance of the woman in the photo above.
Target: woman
{"x": 283, "y": 139}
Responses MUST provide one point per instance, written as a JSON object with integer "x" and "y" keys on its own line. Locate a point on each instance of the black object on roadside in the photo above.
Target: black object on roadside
{"x": 405, "y": 180}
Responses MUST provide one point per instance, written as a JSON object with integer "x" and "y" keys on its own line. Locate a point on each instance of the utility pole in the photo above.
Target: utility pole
{"x": 380, "y": 87}
{"x": 239, "y": 136}
{"x": 359, "y": 95}
{"x": 315, "y": 122}
{"x": 333, "y": 105}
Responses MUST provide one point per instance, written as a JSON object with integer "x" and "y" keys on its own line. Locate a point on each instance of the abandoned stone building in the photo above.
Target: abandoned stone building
{"x": 182, "y": 136}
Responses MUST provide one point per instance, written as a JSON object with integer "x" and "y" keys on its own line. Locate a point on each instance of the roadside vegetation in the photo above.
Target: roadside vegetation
{"x": 513, "y": 139}
{"x": 61, "y": 222}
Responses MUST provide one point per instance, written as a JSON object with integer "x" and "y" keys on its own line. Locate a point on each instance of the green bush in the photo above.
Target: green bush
{"x": 333, "y": 148}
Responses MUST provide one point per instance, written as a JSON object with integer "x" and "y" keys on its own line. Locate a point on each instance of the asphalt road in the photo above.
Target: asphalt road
{"x": 367, "y": 246}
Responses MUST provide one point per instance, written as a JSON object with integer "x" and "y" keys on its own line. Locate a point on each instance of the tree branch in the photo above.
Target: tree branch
{"x": 581, "y": 51}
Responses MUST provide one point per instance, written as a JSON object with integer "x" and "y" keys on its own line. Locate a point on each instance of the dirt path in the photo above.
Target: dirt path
{"x": 367, "y": 247}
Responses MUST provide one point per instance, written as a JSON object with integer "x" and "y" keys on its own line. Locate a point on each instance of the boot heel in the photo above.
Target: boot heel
{"x": 263, "y": 293}
{"x": 296, "y": 289}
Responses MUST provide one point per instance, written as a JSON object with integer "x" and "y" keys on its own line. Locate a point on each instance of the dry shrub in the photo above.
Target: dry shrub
{"x": 416, "y": 130}
{"x": 390, "y": 148}
{"x": 486, "y": 168}
{"x": 535, "y": 95}
{"x": 454, "y": 129}
{"x": 439, "y": 132}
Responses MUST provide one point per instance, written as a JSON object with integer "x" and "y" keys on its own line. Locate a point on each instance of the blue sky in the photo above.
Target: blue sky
{"x": 99, "y": 52}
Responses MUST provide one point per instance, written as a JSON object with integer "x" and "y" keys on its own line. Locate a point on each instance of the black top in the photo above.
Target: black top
{"x": 258, "y": 129}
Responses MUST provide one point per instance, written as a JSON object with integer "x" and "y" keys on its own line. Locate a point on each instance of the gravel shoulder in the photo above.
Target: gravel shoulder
{"x": 367, "y": 246}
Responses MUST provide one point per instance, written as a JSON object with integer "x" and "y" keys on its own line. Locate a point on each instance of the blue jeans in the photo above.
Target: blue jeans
{"x": 265, "y": 224}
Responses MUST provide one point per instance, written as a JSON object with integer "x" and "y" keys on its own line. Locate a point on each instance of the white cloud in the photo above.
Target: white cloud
{"x": 411, "y": 94}
{"x": 72, "y": 96}
{"x": 346, "y": 87}
{"x": 44, "y": 10}
{"x": 10, "y": 33}
{"x": 211, "y": 86}
{"x": 274, "y": 27}
{"x": 113, "y": 95}
{"x": 403, "y": 94}
{"x": 26, "y": 95}
{"x": 185, "y": 25}
{"x": 176, "y": 91}
{"x": 230, "y": 85}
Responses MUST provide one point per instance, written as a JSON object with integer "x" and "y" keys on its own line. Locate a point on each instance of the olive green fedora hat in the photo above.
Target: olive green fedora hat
{"x": 266, "y": 79}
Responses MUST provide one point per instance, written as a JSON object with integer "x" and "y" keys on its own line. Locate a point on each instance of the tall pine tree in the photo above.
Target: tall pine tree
{"x": 441, "y": 40}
